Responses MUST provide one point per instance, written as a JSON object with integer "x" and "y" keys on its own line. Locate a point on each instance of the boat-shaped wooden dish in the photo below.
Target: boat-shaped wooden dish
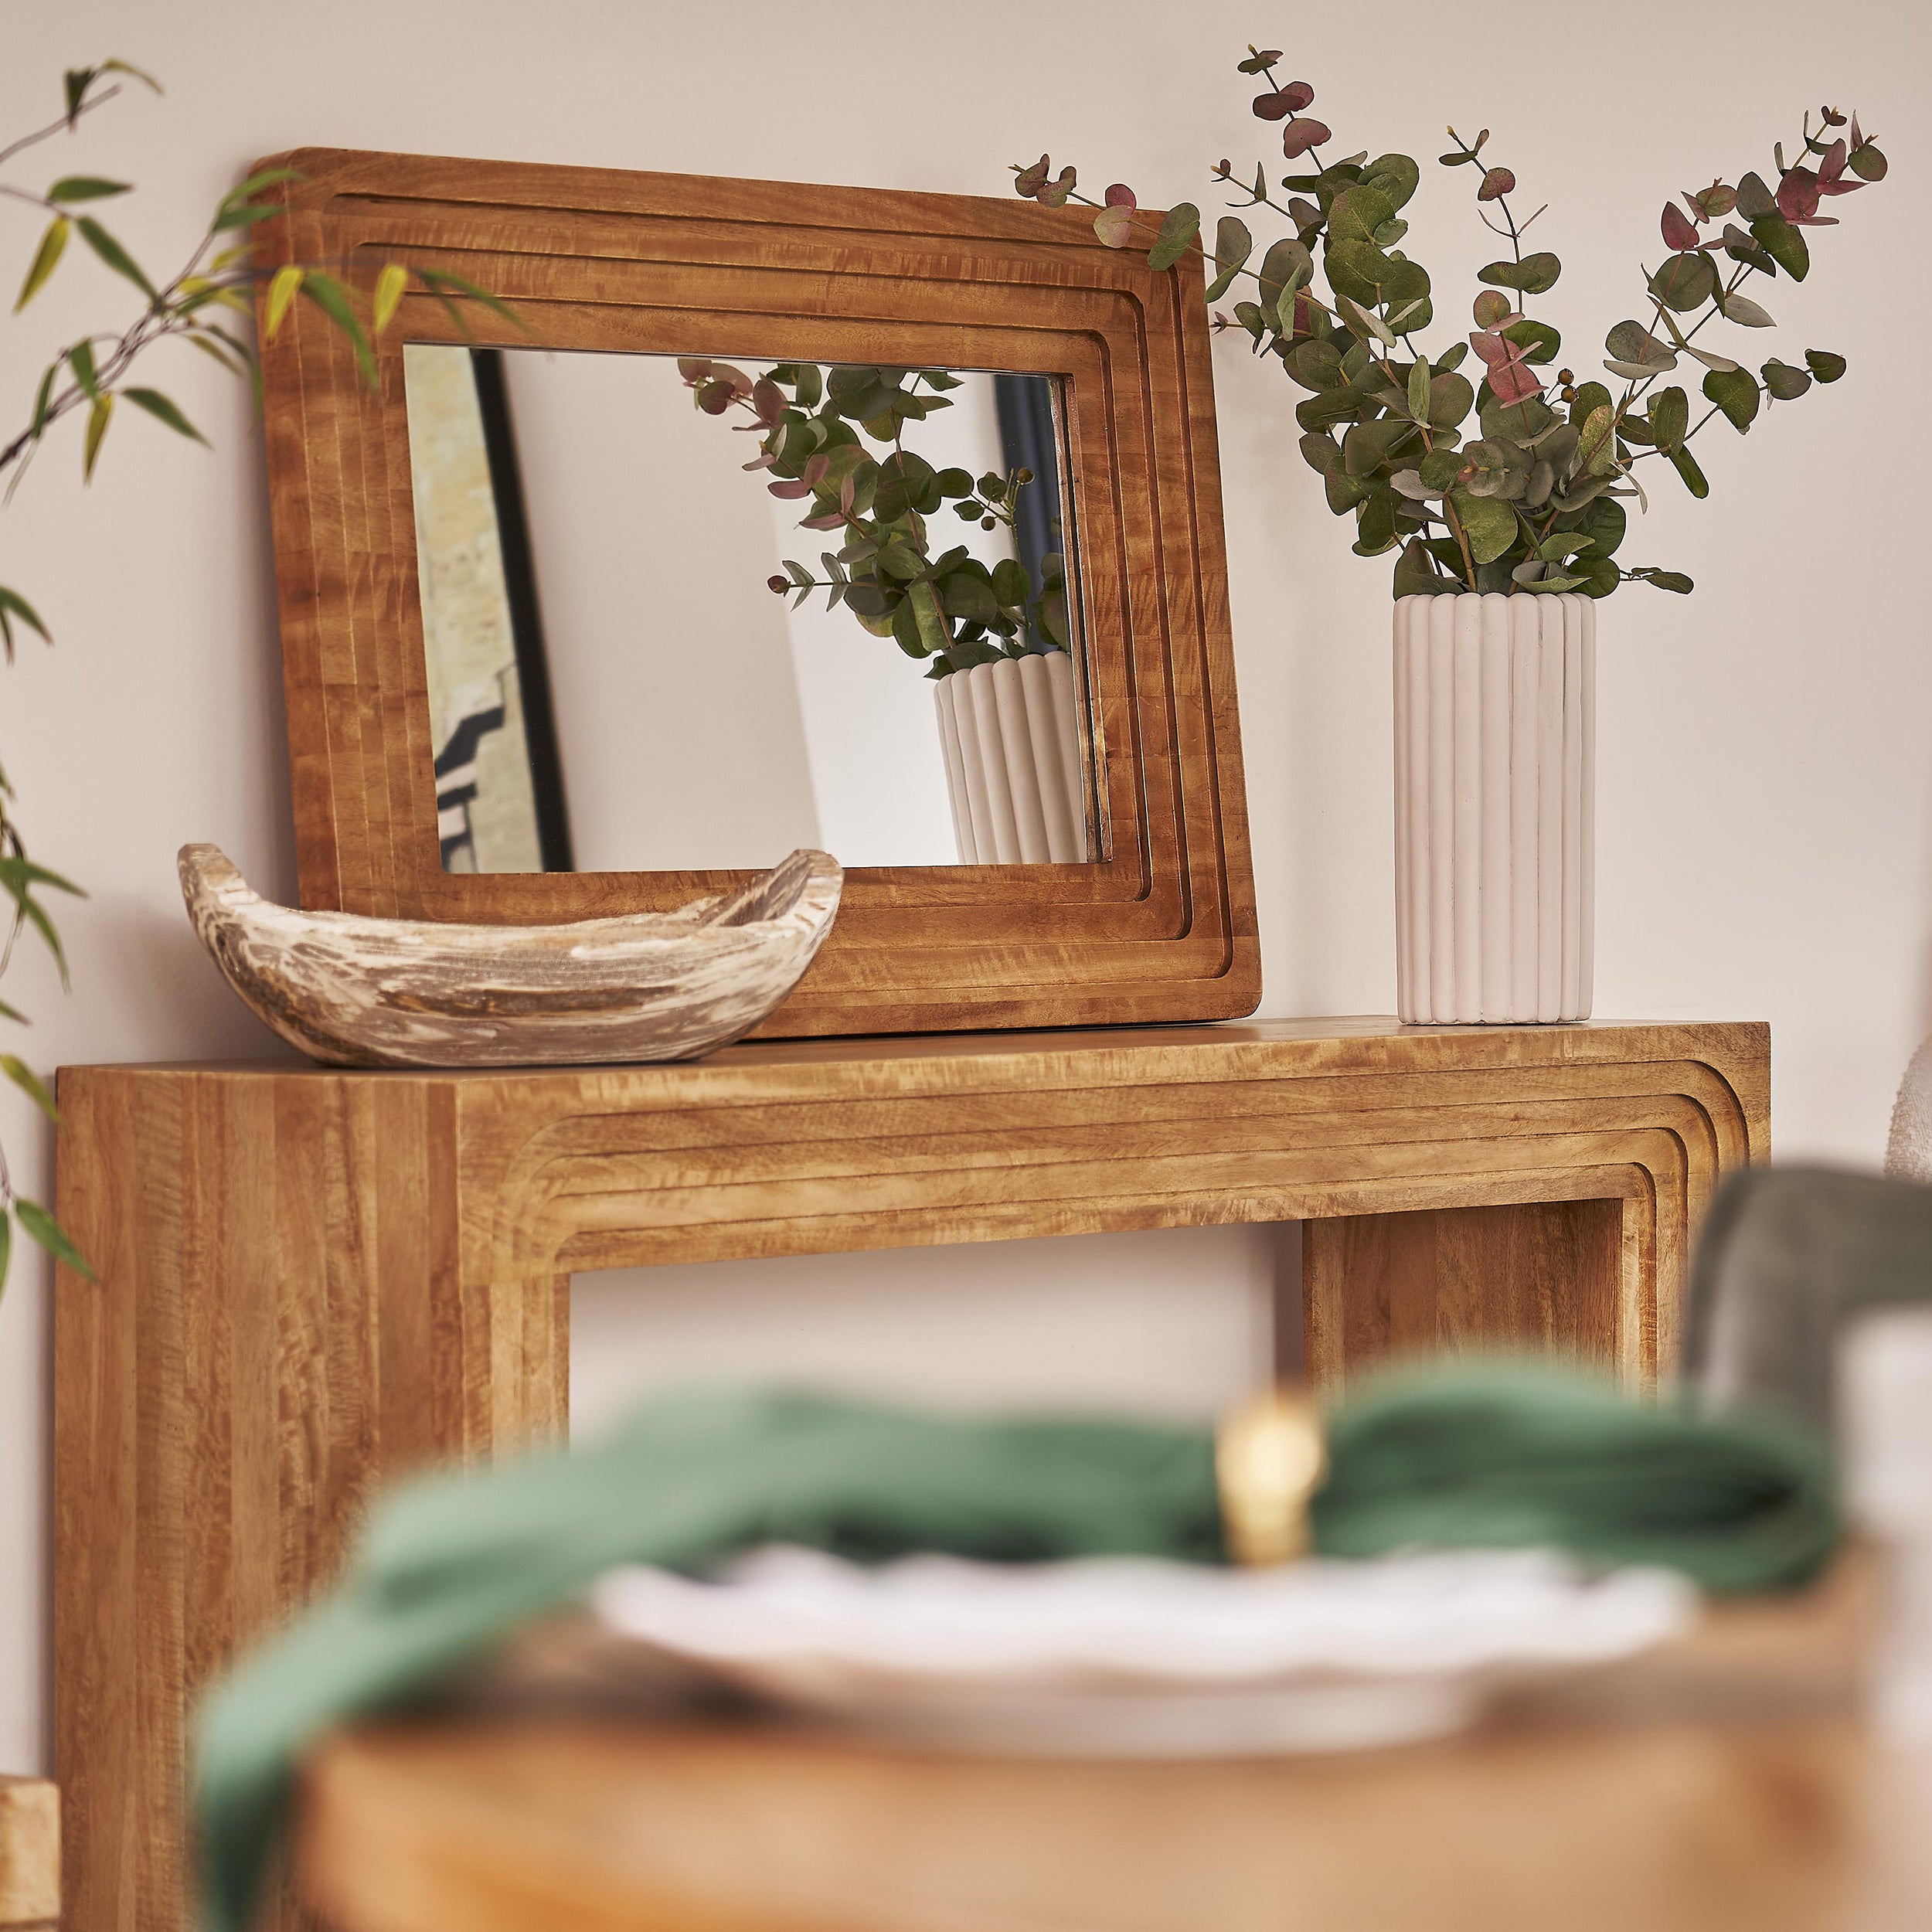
{"x": 352, "y": 991}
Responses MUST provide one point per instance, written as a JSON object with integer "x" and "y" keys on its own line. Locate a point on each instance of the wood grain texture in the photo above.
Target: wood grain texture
{"x": 1749, "y": 1800}
{"x": 311, "y": 1279}
{"x": 354, "y": 991}
{"x": 1549, "y": 1276}
{"x": 29, "y": 1852}
{"x": 1161, "y": 927}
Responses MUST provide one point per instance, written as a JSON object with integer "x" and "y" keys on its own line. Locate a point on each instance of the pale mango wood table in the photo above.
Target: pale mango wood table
{"x": 1724, "y": 1786}
{"x": 312, "y": 1280}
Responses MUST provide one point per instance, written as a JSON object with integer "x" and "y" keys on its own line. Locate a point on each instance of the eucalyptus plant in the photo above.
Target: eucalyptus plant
{"x": 87, "y": 378}
{"x": 816, "y": 428}
{"x": 1529, "y": 502}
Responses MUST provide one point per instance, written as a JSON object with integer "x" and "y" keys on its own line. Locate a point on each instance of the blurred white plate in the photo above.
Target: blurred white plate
{"x": 1110, "y": 1657}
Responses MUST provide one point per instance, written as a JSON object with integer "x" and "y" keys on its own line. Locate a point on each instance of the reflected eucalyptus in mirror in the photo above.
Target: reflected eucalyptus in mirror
{"x": 610, "y": 685}
{"x": 953, "y": 608}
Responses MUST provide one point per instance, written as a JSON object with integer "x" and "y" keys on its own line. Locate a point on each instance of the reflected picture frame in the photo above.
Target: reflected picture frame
{"x": 1161, "y": 927}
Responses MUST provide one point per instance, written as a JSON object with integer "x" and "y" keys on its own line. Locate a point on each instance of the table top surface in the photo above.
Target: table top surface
{"x": 1726, "y": 1784}
{"x": 1380, "y": 1033}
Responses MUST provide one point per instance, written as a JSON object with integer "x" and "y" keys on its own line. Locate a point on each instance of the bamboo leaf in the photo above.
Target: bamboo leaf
{"x": 246, "y": 191}
{"x": 51, "y": 1236}
{"x": 42, "y": 396}
{"x": 332, "y": 299}
{"x": 13, "y": 604}
{"x": 81, "y": 359}
{"x": 138, "y": 73}
{"x": 29, "y": 1082}
{"x": 98, "y": 417}
{"x": 163, "y": 410}
{"x": 46, "y": 257}
{"x": 441, "y": 281}
{"x": 390, "y": 285}
{"x": 117, "y": 257}
{"x": 282, "y": 291}
{"x": 86, "y": 188}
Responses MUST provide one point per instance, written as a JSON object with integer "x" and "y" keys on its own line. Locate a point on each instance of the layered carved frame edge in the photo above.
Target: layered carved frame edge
{"x": 1162, "y": 928}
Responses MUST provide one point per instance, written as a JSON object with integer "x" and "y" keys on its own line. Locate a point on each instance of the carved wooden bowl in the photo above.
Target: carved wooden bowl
{"x": 354, "y": 991}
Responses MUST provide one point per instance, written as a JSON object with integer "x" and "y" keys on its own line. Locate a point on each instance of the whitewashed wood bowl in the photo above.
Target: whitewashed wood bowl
{"x": 356, "y": 992}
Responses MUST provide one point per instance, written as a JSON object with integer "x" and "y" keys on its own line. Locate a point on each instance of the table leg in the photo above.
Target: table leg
{"x": 280, "y": 1325}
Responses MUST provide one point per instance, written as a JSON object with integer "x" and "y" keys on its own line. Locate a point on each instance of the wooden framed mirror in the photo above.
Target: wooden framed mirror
{"x": 533, "y": 669}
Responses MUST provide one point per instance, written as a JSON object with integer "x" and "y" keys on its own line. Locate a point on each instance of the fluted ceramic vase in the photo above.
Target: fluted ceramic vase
{"x": 1009, "y": 733}
{"x": 1495, "y": 704}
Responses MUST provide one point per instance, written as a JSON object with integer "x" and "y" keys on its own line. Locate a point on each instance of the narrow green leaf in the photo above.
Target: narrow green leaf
{"x": 29, "y": 1082}
{"x": 332, "y": 299}
{"x": 98, "y": 415}
{"x": 442, "y": 281}
{"x": 42, "y": 396}
{"x": 15, "y": 605}
{"x": 86, "y": 188}
{"x": 81, "y": 359}
{"x": 51, "y": 1236}
{"x": 138, "y": 73}
{"x": 46, "y": 257}
{"x": 117, "y": 257}
{"x": 163, "y": 410}
{"x": 1419, "y": 390}
{"x": 246, "y": 191}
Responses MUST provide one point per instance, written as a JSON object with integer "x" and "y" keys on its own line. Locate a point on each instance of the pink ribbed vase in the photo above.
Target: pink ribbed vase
{"x": 1495, "y": 705}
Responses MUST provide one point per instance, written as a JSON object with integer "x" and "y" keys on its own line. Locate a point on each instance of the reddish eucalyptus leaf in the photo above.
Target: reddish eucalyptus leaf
{"x": 1497, "y": 183}
{"x": 1711, "y": 203}
{"x": 789, "y": 490}
{"x": 1119, "y": 195}
{"x": 1511, "y": 379}
{"x": 1679, "y": 236}
{"x": 780, "y": 584}
{"x": 1114, "y": 226}
{"x": 1797, "y": 194}
{"x": 1298, "y": 94}
{"x": 1299, "y": 136}
{"x": 1055, "y": 194}
{"x": 1029, "y": 180}
{"x": 694, "y": 369}
{"x": 1832, "y": 117}
{"x": 1831, "y": 173}
{"x": 1273, "y": 106}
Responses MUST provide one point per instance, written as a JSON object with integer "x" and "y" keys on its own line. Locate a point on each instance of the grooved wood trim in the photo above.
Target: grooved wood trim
{"x": 313, "y": 1278}
{"x": 1163, "y": 928}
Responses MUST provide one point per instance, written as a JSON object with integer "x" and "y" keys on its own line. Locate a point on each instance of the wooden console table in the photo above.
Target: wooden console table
{"x": 311, "y": 1279}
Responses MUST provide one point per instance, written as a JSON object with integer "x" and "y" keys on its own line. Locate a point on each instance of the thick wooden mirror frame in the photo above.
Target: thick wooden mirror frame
{"x": 1163, "y": 928}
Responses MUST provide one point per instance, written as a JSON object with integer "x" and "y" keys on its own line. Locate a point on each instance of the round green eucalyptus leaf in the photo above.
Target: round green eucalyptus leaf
{"x": 1532, "y": 276}
{"x": 1392, "y": 176}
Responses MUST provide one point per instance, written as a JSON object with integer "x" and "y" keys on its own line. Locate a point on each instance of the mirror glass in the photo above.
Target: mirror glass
{"x": 685, "y": 614}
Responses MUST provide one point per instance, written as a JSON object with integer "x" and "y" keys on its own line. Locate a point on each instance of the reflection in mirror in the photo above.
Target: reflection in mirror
{"x": 681, "y": 614}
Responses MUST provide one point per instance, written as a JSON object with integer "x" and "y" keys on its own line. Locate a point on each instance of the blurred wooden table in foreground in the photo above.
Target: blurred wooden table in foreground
{"x": 1725, "y": 1786}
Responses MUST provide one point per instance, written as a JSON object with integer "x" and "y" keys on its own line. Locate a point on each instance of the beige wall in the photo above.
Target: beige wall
{"x": 1766, "y": 745}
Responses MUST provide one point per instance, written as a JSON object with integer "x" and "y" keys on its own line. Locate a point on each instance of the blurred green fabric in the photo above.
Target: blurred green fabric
{"x": 1502, "y": 1455}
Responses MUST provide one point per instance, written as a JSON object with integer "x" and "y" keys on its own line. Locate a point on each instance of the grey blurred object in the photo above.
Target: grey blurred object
{"x": 1908, "y": 1153}
{"x": 1788, "y": 1256}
